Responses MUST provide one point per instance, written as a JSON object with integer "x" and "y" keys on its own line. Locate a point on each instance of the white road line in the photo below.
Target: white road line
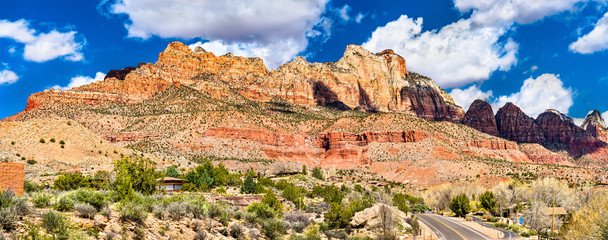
{"x": 472, "y": 230}
{"x": 434, "y": 229}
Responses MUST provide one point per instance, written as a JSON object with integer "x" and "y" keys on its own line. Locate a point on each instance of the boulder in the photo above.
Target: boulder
{"x": 372, "y": 218}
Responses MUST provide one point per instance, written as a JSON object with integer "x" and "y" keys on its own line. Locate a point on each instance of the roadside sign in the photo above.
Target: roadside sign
{"x": 521, "y": 220}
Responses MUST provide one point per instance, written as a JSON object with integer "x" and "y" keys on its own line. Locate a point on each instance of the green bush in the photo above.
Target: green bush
{"x": 85, "y": 210}
{"x": 31, "y": 162}
{"x": 64, "y": 203}
{"x": 295, "y": 195}
{"x": 31, "y": 186}
{"x": 317, "y": 173}
{"x": 85, "y": 195}
{"x": 249, "y": 186}
{"x": 41, "y": 199}
{"x": 271, "y": 200}
{"x": 56, "y": 224}
{"x": 42, "y": 140}
{"x": 221, "y": 191}
{"x": 11, "y": 208}
{"x": 261, "y": 211}
{"x": 132, "y": 211}
{"x": 460, "y": 205}
{"x": 273, "y": 228}
{"x": 61, "y": 142}
{"x": 70, "y": 180}
{"x": 334, "y": 218}
{"x": 52, "y": 140}
{"x": 265, "y": 182}
{"x": 304, "y": 170}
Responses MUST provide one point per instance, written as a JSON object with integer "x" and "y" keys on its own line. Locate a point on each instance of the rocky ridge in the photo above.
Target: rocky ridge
{"x": 359, "y": 80}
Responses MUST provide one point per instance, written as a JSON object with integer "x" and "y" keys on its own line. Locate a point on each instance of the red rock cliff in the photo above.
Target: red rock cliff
{"x": 481, "y": 117}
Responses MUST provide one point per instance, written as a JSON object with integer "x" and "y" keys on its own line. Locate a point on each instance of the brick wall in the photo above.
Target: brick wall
{"x": 12, "y": 176}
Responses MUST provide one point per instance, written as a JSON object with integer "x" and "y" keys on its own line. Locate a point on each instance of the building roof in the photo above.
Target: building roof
{"x": 171, "y": 180}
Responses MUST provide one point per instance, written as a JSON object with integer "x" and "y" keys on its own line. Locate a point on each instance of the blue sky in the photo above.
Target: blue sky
{"x": 541, "y": 54}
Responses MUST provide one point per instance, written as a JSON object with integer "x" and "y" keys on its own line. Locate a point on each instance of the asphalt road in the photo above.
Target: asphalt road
{"x": 507, "y": 234}
{"x": 448, "y": 229}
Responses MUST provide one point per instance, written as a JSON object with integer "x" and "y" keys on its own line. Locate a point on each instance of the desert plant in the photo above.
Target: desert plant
{"x": 70, "y": 180}
{"x": 31, "y": 162}
{"x": 273, "y": 228}
{"x": 271, "y": 200}
{"x": 297, "y": 221}
{"x": 135, "y": 174}
{"x": 106, "y": 212}
{"x": 177, "y": 210}
{"x": 237, "y": 231}
{"x": 56, "y": 224}
{"x": 52, "y": 140}
{"x": 64, "y": 203}
{"x": 85, "y": 210}
{"x": 41, "y": 199}
{"x": 61, "y": 142}
{"x": 172, "y": 171}
{"x": 132, "y": 211}
{"x": 318, "y": 174}
{"x": 200, "y": 235}
{"x": 31, "y": 186}
{"x": 42, "y": 140}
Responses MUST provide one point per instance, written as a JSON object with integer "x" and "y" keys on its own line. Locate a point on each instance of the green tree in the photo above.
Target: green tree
{"x": 135, "y": 174}
{"x": 172, "y": 171}
{"x": 334, "y": 218}
{"x": 332, "y": 195}
{"x": 487, "y": 201}
{"x": 271, "y": 200}
{"x": 304, "y": 171}
{"x": 317, "y": 173}
{"x": 400, "y": 201}
{"x": 460, "y": 205}
{"x": 295, "y": 195}
{"x": 70, "y": 180}
{"x": 249, "y": 186}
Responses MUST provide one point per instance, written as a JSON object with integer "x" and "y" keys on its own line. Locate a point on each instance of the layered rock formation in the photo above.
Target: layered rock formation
{"x": 359, "y": 80}
{"x": 513, "y": 124}
{"x": 481, "y": 117}
{"x": 556, "y": 127}
{"x": 594, "y": 124}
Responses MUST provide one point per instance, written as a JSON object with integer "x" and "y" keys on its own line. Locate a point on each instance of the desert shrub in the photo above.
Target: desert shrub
{"x": 221, "y": 190}
{"x": 64, "y": 203}
{"x": 334, "y": 217}
{"x": 304, "y": 170}
{"x": 31, "y": 186}
{"x": 295, "y": 195}
{"x": 11, "y": 209}
{"x": 41, "y": 199}
{"x": 61, "y": 142}
{"x": 200, "y": 235}
{"x": 102, "y": 180}
{"x": 31, "y": 162}
{"x": 237, "y": 231}
{"x": 177, "y": 210}
{"x": 86, "y": 195}
{"x": 282, "y": 184}
{"x": 332, "y": 194}
{"x": 42, "y": 140}
{"x": 261, "y": 211}
{"x": 56, "y": 224}
{"x": 249, "y": 186}
{"x": 297, "y": 221}
{"x": 132, "y": 211}
{"x": 52, "y": 140}
{"x": 273, "y": 228}
{"x": 106, "y": 212}
{"x": 265, "y": 182}
{"x": 85, "y": 210}
{"x": 359, "y": 188}
{"x": 318, "y": 174}
{"x": 271, "y": 200}
{"x": 159, "y": 211}
{"x": 135, "y": 174}
{"x": 70, "y": 181}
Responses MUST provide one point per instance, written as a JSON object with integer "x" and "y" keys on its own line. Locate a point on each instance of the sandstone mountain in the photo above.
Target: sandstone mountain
{"x": 364, "y": 111}
{"x": 552, "y": 129}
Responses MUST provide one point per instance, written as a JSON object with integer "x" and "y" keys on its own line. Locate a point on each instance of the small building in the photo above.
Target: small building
{"x": 170, "y": 184}
{"x": 12, "y": 176}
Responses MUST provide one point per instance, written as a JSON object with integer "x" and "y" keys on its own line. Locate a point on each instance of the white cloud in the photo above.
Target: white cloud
{"x": 578, "y": 121}
{"x": 344, "y": 13}
{"x": 81, "y": 80}
{"x": 537, "y": 95}
{"x": 507, "y": 12}
{"x": 594, "y": 41}
{"x": 454, "y": 56}
{"x": 464, "y": 97}
{"x": 8, "y": 77}
{"x": 41, "y": 47}
{"x": 18, "y": 30}
{"x": 359, "y": 17}
{"x": 236, "y": 24}
{"x": 48, "y": 46}
{"x": 272, "y": 54}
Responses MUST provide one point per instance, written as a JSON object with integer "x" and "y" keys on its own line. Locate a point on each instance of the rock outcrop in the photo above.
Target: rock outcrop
{"x": 513, "y": 124}
{"x": 359, "y": 80}
{"x": 594, "y": 124}
{"x": 371, "y": 217}
{"x": 558, "y": 128}
{"x": 481, "y": 117}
